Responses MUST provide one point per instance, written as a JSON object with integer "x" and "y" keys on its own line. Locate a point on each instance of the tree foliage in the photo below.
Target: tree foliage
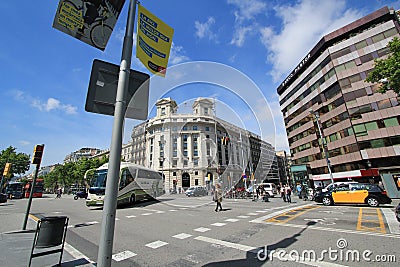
{"x": 71, "y": 173}
{"x": 387, "y": 71}
{"x": 19, "y": 161}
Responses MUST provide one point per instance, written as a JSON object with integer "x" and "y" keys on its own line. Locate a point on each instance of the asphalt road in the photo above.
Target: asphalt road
{"x": 181, "y": 231}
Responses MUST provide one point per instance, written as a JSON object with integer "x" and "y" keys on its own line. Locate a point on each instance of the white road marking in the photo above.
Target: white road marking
{"x": 76, "y": 253}
{"x": 391, "y": 220}
{"x": 123, "y": 255}
{"x": 232, "y": 220}
{"x": 146, "y": 214}
{"x": 94, "y": 222}
{"x": 131, "y": 216}
{"x": 332, "y": 229}
{"x": 218, "y": 224}
{"x": 202, "y": 229}
{"x": 252, "y": 213}
{"x": 160, "y": 211}
{"x": 182, "y": 236}
{"x": 117, "y": 219}
{"x": 172, "y": 210}
{"x": 225, "y": 243}
{"x": 156, "y": 244}
{"x": 243, "y": 216}
{"x": 261, "y": 211}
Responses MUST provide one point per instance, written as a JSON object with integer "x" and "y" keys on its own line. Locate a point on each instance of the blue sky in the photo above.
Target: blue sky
{"x": 45, "y": 73}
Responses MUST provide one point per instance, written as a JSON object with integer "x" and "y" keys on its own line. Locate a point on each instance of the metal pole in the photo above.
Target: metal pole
{"x": 110, "y": 201}
{"x": 28, "y": 208}
{"x": 328, "y": 162}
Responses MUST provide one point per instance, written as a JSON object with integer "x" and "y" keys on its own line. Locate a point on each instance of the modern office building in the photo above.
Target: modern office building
{"x": 199, "y": 148}
{"x": 359, "y": 124}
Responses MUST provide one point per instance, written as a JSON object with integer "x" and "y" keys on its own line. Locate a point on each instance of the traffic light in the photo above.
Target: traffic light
{"x": 37, "y": 154}
{"x": 7, "y": 169}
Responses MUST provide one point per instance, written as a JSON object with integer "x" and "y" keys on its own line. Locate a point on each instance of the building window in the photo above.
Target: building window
{"x": 163, "y": 111}
{"x": 174, "y": 174}
{"x": 207, "y": 129}
{"x": 174, "y": 163}
{"x": 194, "y": 127}
{"x": 185, "y": 163}
{"x": 205, "y": 111}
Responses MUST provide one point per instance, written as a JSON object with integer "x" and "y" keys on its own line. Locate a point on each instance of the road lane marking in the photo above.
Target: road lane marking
{"x": 202, "y": 229}
{"x": 291, "y": 214}
{"x": 271, "y": 215}
{"x": 76, "y": 253}
{"x": 373, "y": 218}
{"x": 225, "y": 243}
{"x": 181, "y": 236}
{"x": 391, "y": 221}
{"x": 252, "y": 213}
{"x": 156, "y": 244}
{"x": 243, "y": 216}
{"x": 146, "y": 214}
{"x": 218, "y": 224}
{"x": 131, "y": 216}
{"x": 123, "y": 255}
{"x": 232, "y": 220}
{"x": 330, "y": 229}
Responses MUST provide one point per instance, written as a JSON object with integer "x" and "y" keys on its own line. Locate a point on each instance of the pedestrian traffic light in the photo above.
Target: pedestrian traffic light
{"x": 7, "y": 169}
{"x": 37, "y": 154}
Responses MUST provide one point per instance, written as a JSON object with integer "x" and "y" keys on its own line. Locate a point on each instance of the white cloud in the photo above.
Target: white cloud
{"x": 203, "y": 30}
{"x": 246, "y": 10}
{"x": 240, "y": 35}
{"x": 48, "y": 105}
{"x": 177, "y": 55}
{"x": 24, "y": 143}
{"x": 302, "y": 28}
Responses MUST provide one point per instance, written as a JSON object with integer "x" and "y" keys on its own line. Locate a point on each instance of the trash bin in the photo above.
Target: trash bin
{"x": 51, "y": 231}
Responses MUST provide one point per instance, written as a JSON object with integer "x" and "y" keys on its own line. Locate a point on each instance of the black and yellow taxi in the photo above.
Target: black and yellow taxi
{"x": 359, "y": 193}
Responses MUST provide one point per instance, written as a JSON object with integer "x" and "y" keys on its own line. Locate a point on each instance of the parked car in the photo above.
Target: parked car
{"x": 269, "y": 189}
{"x": 354, "y": 193}
{"x": 3, "y": 198}
{"x": 196, "y": 191}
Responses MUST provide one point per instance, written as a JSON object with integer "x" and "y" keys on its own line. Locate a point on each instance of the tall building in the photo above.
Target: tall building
{"x": 85, "y": 152}
{"x": 199, "y": 148}
{"x": 359, "y": 124}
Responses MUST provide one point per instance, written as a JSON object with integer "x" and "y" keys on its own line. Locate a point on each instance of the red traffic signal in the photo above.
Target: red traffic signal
{"x": 37, "y": 154}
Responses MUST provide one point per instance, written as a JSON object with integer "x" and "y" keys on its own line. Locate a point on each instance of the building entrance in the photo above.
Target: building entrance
{"x": 185, "y": 180}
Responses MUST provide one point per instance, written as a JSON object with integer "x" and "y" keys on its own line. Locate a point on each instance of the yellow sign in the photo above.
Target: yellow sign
{"x": 154, "y": 39}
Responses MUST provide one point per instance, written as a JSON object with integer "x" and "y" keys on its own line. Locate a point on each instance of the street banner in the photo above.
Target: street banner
{"x": 153, "y": 42}
{"x": 91, "y": 21}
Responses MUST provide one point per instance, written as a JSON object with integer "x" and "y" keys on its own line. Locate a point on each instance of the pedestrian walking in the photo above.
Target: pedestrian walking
{"x": 283, "y": 195}
{"x": 218, "y": 197}
{"x": 288, "y": 193}
{"x": 59, "y": 192}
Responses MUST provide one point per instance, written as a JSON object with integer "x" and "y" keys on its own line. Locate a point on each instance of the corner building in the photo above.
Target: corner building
{"x": 199, "y": 148}
{"x": 359, "y": 124}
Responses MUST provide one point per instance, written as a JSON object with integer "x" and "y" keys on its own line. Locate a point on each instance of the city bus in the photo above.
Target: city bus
{"x": 15, "y": 190}
{"x": 37, "y": 189}
{"x": 135, "y": 183}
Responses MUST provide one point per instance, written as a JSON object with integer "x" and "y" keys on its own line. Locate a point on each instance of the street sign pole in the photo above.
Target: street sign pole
{"x": 110, "y": 202}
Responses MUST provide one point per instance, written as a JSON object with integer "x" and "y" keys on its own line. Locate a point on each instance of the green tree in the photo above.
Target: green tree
{"x": 387, "y": 71}
{"x": 19, "y": 161}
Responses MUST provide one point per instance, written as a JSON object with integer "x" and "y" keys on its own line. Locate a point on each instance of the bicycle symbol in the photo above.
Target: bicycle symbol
{"x": 323, "y": 221}
{"x": 92, "y": 16}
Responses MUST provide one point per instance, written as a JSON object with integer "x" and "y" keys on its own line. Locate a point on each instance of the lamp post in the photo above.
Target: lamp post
{"x": 328, "y": 162}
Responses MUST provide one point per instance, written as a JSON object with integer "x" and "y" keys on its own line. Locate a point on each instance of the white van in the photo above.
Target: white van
{"x": 269, "y": 188}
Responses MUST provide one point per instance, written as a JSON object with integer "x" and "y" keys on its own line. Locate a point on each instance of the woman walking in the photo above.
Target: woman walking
{"x": 218, "y": 196}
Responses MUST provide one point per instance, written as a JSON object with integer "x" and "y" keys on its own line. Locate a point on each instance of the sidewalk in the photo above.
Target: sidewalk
{"x": 16, "y": 245}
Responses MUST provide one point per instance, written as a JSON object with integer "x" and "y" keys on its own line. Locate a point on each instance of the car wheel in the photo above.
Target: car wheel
{"x": 76, "y": 197}
{"x": 372, "y": 202}
{"x": 132, "y": 199}
{"x": 327, "y": 201}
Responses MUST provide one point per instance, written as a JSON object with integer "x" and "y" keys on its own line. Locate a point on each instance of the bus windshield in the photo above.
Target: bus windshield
{"x": 99, "y": 179}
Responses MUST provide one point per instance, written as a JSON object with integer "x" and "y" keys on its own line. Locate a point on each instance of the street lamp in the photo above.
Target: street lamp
{"x": 328, "y": 162}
